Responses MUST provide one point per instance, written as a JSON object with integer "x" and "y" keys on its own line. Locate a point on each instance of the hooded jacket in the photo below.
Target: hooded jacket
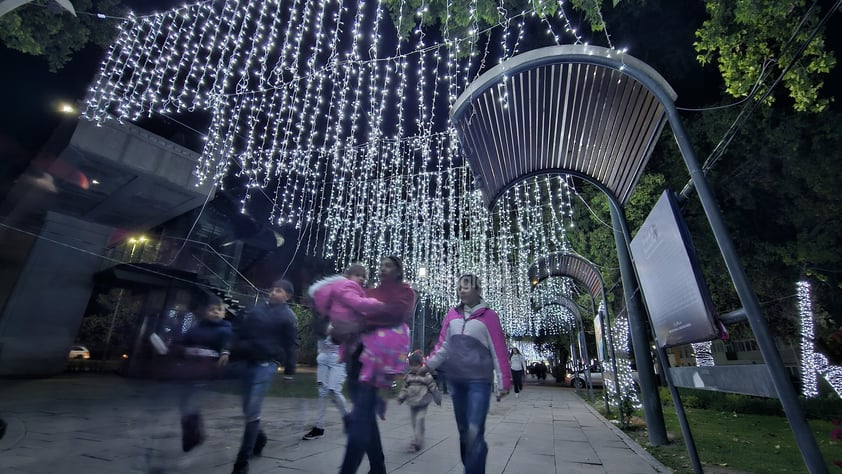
{"x": 472, "y": 347}
{"x": 419, "y": 390}
{"x": 344, "y": 302}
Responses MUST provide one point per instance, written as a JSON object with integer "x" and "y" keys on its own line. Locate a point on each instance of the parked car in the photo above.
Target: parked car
{"x": 577, "y": 379}
{"x": 79, "y": 352}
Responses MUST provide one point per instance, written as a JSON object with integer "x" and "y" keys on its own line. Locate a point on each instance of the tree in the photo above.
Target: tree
{"x": 746, "y": 38}
{"x": 111, "y": 330}
{"x": 56, "y": 35}
{"x": 749, "y": 41}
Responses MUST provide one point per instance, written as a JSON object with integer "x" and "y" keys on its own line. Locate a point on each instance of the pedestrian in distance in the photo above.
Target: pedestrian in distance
{"x": 267, "y": 335}
{"x": 472, "y": 349}
{"x": 419, "y": 389}
{"x": 518, "y": 365}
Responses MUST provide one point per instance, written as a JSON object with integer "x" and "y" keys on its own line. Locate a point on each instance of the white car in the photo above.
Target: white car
{"x": 79, "y": 352}
{"x": 577, "y": 379}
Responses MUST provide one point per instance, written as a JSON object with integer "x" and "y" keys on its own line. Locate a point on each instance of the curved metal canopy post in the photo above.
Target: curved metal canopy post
{"x": 567, "y": 264}
{"x": 597, "y": 113}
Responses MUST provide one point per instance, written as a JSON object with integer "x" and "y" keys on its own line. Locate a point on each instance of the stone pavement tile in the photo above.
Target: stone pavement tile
{"x": 599, "y": 437}
{"x": 624, "y": 460}
{"x": 565, "y": 432}
{"x": 523, "y": 464}
{"x": 16, "y": 460}
{"x": 577, "y": 452}
{"x": 570, "y": 467}
{"x": 439, "y": 456}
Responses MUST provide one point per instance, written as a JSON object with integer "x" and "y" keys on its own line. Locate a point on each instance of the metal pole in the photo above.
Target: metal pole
{"x": 679, "y": 411}
{"x": 639, "y": 334}
{"x": 786, "y": 392}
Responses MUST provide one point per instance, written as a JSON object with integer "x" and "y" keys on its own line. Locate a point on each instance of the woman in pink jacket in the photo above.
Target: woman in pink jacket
{"x": 471, "y": 350}
{"x": 379, "y": 358}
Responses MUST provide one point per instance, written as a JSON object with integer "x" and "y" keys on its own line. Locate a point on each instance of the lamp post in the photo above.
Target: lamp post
{"x": 422, "y": 272}
{"x": 135, "y": 241}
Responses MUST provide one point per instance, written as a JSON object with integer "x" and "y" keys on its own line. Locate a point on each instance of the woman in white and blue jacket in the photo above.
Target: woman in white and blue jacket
{"x": 472, "y": 349}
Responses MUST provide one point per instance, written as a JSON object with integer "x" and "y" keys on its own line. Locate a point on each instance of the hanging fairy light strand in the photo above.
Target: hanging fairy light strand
{"x": 314, "y": 107}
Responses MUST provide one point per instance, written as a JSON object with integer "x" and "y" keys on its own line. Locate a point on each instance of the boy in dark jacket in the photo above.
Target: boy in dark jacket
{"x": 267, "y": 336}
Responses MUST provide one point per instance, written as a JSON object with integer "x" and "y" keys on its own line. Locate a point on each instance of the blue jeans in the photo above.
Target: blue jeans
{"x": 255, "y": 378}
{"x": 254, "y": 382}
{"x": 471, "y": 400}
{"x": 363, "y": 433}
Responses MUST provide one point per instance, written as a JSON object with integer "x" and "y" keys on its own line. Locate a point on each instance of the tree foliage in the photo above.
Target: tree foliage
{"x": 747, "y": 37}
{"x": 56, "y": 35}
{"x": 118, "y": 315}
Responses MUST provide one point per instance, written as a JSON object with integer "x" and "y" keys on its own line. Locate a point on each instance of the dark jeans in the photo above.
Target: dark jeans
{"x": 517, "y": 380}
{"x": 363, "y": 433}
{"x": 471, "y": 401}
{"x": 255, "y": 378}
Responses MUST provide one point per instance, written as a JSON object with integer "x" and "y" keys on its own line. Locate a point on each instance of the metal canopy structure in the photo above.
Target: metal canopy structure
{"x": 596, "y": 113}
{"x": 569, "y": 109}
{"x": 570, "y": 265}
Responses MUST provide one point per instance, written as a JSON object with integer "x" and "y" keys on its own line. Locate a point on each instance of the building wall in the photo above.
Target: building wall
{"x": 42, "y": 314}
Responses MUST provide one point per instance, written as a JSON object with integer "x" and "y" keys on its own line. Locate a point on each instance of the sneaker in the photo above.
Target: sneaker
{"x": 517, "y": 395}
{"x": 315, "y": 433}
{"x": 260, "y": 443}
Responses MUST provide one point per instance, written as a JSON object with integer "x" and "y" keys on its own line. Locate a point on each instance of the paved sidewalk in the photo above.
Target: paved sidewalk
{"x": 107, "y": 424}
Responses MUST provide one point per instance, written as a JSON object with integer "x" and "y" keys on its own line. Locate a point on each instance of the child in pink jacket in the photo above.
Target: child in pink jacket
{"x": 342, "y": 299}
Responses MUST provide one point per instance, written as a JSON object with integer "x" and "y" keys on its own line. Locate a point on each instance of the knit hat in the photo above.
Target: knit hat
{"x": 286, "y": 285}
{"x": 416, "y": 359}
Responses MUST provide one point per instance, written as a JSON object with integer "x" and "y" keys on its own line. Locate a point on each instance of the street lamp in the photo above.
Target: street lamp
{"x": 67, "y": 108}
{"x": 135, "y": 241}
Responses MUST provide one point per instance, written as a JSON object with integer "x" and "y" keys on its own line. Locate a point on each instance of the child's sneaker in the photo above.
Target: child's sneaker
{"x": 315, "y": 433}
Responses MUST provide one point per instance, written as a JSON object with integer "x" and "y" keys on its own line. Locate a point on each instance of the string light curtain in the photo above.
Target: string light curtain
{"x": 321, "y": 107}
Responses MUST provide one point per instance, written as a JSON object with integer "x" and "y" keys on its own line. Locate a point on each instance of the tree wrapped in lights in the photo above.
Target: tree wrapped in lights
{"x": 628, "y": 391}
{"x": 813, "y": 364}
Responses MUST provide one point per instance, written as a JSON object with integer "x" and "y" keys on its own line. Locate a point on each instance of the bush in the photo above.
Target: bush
{"x": 815, "y": 408}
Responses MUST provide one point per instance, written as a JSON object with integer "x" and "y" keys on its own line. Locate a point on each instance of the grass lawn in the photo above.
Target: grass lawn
{"x": 738, "y": 443}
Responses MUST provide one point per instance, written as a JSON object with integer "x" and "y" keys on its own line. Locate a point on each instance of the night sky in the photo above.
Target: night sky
{"x": 29, "y": 92}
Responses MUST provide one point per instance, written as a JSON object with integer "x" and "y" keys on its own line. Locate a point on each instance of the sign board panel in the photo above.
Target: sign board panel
{"x": 679, "y": 303}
